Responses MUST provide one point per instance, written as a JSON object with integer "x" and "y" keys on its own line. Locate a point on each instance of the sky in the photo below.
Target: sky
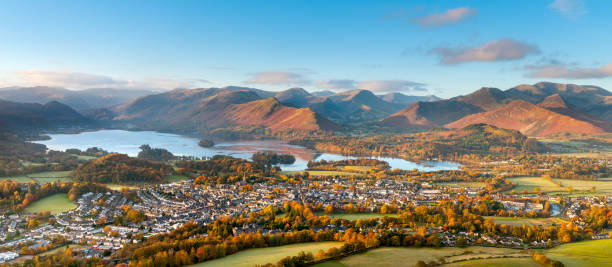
{"x": 446, "y": 48}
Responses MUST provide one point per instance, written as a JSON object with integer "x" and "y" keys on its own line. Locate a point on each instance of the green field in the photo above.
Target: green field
{"x": 19, "y": 179}
{"x": 462, "y": 184}
{"x": 355, "y": 216}
{"x": 580, "y": 187}
{"x": 261, "y": 256}
{"x": 408, "y": 257}
{"x": 55, "y": 204}
{"x": 500, "y": 262}
{"x": 176, "y": 178}
{"x": 527, "y": 221}
{"x": 586, "y": 253}
{"x": 324, "y": 173}
{"x": 53, "y": 176}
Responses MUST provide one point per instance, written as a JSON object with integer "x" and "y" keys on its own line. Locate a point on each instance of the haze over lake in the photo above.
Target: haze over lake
{"x": 128, "y": 142}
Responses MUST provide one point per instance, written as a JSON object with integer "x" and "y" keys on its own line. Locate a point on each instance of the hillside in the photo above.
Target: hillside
{"x": 208, "y": 109}
{"x": 20, "y": 117}
{"x": 425, "y": 115}
{"x": 120, "y": 168}
{"x": 529, "y": 119}
{"x": 589, "y": 99}
{"x": 486, "y": 98}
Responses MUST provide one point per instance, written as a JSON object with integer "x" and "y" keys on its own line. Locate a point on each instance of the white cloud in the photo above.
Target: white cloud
{"x": 79, "y": 80}
{"x": 277, "y": 78}
{"x": 450, "y": 16}
{"x": 504, "y": 49}
{"x": 569, "y": 8}
{"x": 564, "y": 72}
{"x": 343, "y": 84}
{"x": 381, "y": 86}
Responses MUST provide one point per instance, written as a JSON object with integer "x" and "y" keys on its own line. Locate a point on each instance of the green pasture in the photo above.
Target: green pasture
{"x": 55, "y": 204}
{"x": 261, "y": 256}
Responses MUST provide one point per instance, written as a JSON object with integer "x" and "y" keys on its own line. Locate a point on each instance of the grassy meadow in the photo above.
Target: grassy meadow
{"x": 261, "y": 256}
{"x": 580, "y": 187}
{"x": 462, "y": 184}
{"x": 526, "y": 221}
{"x": 583, "y": 254}
{"x": 355, "y": 216}
{"x": 55, "y": 204}
{"x": 408, "y": 257}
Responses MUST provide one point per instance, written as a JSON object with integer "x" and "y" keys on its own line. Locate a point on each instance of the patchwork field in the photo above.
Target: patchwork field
{"x": 55, "y": 204}
{"x": 408, "y": 257}
{"x": 583, "y": 254}
{"x": 261, "y": 256}
{"x": 527, "y": 221}
{"x": 356, "y": 216}
{"x": 580, "y": 187}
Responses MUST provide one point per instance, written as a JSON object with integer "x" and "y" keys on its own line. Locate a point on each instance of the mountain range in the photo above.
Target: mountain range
{"x": 537, "y": 110}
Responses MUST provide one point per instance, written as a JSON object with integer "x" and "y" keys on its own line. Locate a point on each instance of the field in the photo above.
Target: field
{"x": 408, "y": 257}
{"x": 19, "y": 179}
{"x": 356, "y": 216}
{"x": 54, "y": 203}
{"x": 176, "y": 178}
{"x": 586, "y": 253}
{"x": 325, "y": 173}
{"x": 500, "y": 262}
{"x": 527, "y": 221}
{"x": 580, "y": 187}
{"x": 462, "y": 184}
{"x": 261, "y": 256}
{"x": 48, "y": 177}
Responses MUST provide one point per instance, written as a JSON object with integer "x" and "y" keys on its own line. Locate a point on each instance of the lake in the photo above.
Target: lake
{"x": 128, "y": 142}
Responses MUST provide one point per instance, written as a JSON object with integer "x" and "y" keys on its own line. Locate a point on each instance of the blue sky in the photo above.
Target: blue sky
{"x": 445, "y": 48}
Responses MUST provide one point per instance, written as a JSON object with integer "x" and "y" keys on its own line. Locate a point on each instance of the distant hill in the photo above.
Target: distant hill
{"x": 399, "y": 98}
{"x": 529, "y": 119}
{"x": 589, "y": 104}
{"x": 22, "y": 117}
{"x": 207, "y": 109}
{"x": 79, "y": 100}
{"x": 425, "y": 115}
{"x": 593, "y": 100}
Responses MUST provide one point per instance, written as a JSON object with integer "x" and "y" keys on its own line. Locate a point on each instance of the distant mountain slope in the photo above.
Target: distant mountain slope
{"x": 270, "y": 112}
{"x": 354, "y": 106}
{"x": 19, "y": 116}
{"x": 587, "y": 103}
{"x": 529, "y": 119}
{"x": 79, "y": 100}
{"x": 425, "y": 115}
{"x": 486, "y": 98}
{"x": 399, "y": 98}
{"x": 593, "y": 100}
{"x": 212, "y": 108}
{"x": 558, "y": 104}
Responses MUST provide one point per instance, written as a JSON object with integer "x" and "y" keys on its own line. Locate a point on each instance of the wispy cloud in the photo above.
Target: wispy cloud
{"x": 499, "y": 50}
{"x": 450, "y": 16}
{"x": 562, "y": 71}
{"x": 391, "y": 86}
{"x": 377, "y": 86}
{"x": 80, "y": 80}
{"x": 569, "y": 8}
{"x": 338, "y": 84}
{"x": 278, "y": 78}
